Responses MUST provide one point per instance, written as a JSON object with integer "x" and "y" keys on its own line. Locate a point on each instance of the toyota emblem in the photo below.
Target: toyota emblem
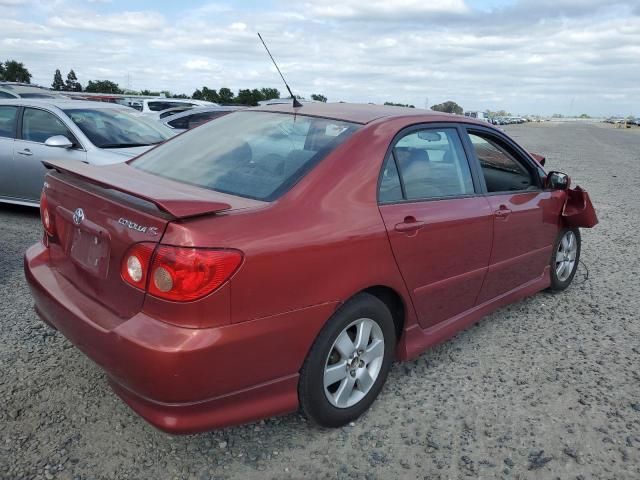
{"x": 78, "y": 216}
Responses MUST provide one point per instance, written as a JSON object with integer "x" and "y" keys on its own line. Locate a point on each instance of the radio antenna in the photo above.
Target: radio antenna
{"x": 296, "y": 103}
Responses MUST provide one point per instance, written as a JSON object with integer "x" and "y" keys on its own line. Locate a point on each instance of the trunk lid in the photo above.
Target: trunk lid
{"x": 100, "y": 212}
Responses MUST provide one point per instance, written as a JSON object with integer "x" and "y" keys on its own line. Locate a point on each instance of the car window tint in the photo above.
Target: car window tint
{"x": 7, "y": 121}
{"x": 200, "y": 118}
{"x": 501, "y": 170}
{"x": 38, "y": 125}
{"x": 390, "y": 188}
{"x": 6, "y": 95}
{"x": 181, "y": 123}
{"x": 433, "y": 164}
{"x": 250, "y": 154}
{"x": 157, "y": 106}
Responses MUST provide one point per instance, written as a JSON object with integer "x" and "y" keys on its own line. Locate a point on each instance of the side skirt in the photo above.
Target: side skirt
{"x": 416, "y": 340}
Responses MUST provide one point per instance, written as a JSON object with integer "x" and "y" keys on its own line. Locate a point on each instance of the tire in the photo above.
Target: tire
{"x": 357, "y": 386}
{"x": 565, "y": 256}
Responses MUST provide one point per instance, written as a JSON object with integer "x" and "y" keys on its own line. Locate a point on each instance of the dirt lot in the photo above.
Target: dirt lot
{"x": 546, "y": 388}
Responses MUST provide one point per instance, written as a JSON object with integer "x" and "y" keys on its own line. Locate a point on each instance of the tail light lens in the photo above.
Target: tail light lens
{"x": 46, "y": 215}
{"x": 179, "y": 274}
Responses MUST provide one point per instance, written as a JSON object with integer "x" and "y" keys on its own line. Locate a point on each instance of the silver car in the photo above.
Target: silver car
{"x": 193, "y": 117}
{"x": 74, "y": 130}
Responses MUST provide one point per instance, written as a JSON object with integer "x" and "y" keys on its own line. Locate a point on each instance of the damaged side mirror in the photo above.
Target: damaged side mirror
{"x": 558, "y": 181}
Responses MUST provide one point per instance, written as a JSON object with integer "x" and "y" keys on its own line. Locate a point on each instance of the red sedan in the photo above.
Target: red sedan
{"x": 278, "y": 258}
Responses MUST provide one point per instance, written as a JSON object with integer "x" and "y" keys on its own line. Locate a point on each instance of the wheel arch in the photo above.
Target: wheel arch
{"x": 394, "y": 302}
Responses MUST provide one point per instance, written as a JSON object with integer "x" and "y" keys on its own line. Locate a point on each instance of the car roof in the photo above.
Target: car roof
{"x": 63, "y": 104}
{"x": 361, "y": 113}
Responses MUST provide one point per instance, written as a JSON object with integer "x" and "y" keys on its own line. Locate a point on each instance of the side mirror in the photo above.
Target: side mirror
{"x": 58, "y": 141}
{"x": 558, "y": 181}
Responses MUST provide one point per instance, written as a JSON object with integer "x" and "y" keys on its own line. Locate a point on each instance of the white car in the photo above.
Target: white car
{"x": 152, "y": 107}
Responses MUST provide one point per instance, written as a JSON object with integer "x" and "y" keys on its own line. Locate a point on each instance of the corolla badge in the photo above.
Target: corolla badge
{"x": 138, "y": 228}
{"x": 78, "y": 216}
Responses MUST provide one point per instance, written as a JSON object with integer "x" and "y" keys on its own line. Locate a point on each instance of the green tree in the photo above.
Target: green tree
{"x": 318, "y": 97}
{"x": 1, "y": 71}
{"x": 392, "y": 104}
{"x": 72, "y": 83}
{"x": 102, "y": 86}
{"x": 16, "y": 72}
{"x": 269, "y": 93}
{"x": 225, "y": 95}
{"x": 57, "y": 84}
{"x": 149, "y": 93}
{"x": 584, "y": 115}
{"x": 448, "y": 107}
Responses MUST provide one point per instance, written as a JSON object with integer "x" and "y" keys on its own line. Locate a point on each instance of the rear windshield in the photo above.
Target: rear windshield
{"x": 257, "y": 155}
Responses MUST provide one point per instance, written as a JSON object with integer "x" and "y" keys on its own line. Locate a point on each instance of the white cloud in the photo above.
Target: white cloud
{"x": 124, "y": 22}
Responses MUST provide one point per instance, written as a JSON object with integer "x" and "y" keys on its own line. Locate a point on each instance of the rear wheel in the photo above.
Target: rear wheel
{"x": 348, "y": 362}
{"x": 565, "y": 258}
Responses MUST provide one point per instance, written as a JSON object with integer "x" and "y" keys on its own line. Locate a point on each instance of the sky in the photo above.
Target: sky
{"x": 523, "y": 56}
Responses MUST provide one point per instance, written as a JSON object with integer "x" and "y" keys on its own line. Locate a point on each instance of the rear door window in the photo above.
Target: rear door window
{"x": 257, "y": 155}
{"x": 8, "y": 117}
{"x": 431, "y": 163}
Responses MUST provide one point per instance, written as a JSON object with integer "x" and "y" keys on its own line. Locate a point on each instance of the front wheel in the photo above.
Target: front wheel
{"x": 565, "y": 258}
{"x": 348, "y": 362}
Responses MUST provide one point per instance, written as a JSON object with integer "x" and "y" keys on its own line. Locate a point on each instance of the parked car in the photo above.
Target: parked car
{"x": 478, "y": 115}
{"x": 187, "y": 119}
{"x": 70, "y": 130}
{"x": 283, "y": 257}
{"x": 26, "y": 90}
{"x": 152, "y": 107}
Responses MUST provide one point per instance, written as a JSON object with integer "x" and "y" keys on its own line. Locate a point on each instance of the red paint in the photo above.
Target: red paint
{"x": 234, "y": 355}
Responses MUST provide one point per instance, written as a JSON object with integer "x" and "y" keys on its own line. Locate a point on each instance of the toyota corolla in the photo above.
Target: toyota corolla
{"x": 280, "y": 258}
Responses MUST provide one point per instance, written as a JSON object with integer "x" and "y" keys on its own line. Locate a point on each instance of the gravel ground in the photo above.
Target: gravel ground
{"x": 546, "y": 388}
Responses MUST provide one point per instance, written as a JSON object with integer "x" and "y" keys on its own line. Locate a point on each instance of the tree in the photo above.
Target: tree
{"x": 584, "y": 115}
{"x": 102, "y": 86}
{"x": 225, "y": 95}
{"x": 57, "y": 84}
{"x": 448, "y": 107}
{"x": 269, "y": 93}
{"x": 72, "y": 84}
{"x": 15, "y": 72}
{"x": 392, "y": 104}
{"x": 318, "y": 97}
{"x": 1, "y": 71}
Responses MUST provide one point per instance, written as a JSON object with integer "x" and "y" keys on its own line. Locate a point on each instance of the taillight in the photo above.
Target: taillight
{"x": 180, "y": 274}
{"x": 135, "y": 265}
{"x": 46, "y": 215}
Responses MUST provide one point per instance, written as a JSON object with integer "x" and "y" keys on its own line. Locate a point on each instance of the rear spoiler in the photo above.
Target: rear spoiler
{"x": 177, "y": 199}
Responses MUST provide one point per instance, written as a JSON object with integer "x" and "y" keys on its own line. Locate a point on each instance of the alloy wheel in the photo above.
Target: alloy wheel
{"x": 353, "y": 363}
{"x": 566, "y": 255}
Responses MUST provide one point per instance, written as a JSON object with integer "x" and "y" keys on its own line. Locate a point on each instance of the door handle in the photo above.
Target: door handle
{"x": 503, "y": 211}
{"x": 26, "y": 151}
{"x": 410, "y": 224}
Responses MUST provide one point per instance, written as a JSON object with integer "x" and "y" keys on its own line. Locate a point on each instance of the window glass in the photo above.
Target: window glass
{"x": 6, "y": 95}
{"x": 390, "y": 189}
{"x": 502, "y": 171}
{"x": 200, "y": 118}
{"x": 250, "y": 154}
{"x": 38, "y": 125}
{"x": 433, "y": 164}
{"x": 157, "y": 106}
{"x": 7, "y": 121}
{"x": 181, "y": 123}
{"x": 118, "y": 127}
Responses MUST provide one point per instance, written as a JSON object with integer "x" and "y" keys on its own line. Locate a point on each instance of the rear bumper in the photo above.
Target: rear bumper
{"x": 182, "y": 380}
